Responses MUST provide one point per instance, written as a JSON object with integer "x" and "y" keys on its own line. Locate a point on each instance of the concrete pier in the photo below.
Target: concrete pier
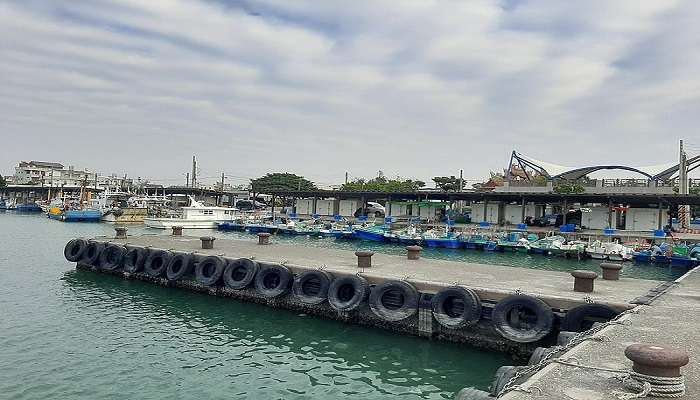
{"x": 486, "y": 291}
{"x": 672, "y": 319}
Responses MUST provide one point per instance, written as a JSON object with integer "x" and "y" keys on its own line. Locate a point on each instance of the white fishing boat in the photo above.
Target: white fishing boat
{"x": 194, "y": 216}
{"x": 612, "y": 251}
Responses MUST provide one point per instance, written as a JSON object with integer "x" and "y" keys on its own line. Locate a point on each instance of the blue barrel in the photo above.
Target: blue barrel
{"x": 609, "y": 231}
{"x": 484, "y": 224}
{"x": 337, "y": 218}
{"x": 450, "y": 222}
{"x": 659, "y": 233}
{"x": 522, "y": 227}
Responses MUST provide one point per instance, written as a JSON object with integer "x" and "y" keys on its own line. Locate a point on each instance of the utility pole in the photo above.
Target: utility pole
{"x": 683, "y": 210}
{"x": 194, "y": 172}
{"x": 461, "y": 185}
{"x": 187, "y": 180}
{"x": 346, "y": 177}
{"x": 221, "y": 196}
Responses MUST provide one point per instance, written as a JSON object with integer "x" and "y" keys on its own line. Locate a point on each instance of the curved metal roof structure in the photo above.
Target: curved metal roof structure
{"x": 554, "y": 171}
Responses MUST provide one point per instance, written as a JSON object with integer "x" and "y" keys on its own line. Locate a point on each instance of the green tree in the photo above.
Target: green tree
{"x": 448, "y": 183}
{"x": 382, "y": 184}
{"x": 569, "y": 188}
{"x": 2, "y": 181}
{"x": 281, "y": 181}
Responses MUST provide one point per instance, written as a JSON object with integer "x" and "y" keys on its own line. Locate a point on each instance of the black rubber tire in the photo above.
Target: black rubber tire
{"x": 179, "y": 266}
{"x": 503, "y": 375}
{"x": 534, "y": 307}
{"x": 473, "y": 394}
{"x": 273, "y": 280}
{"x": 394, "y": 300}
{"x": 311, "y": 287}
{"x": 582, "y": 318}
{"x": 208, "y": 271}
{"x": 539, "y": 354}
{"x": 112, "y": 257}
{"x": 456, "y": 307}
{"x": 74, "y": 249}
{"x": 347, "y": 293}
{"x": 134, "y": 259}
{"x": 156, "y": 262}
{"x": 91, "y": 255}
{"x": 240, "y": 273}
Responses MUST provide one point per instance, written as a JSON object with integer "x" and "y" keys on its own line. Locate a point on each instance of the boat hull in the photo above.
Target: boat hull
{"x": 370, "y": 236}
{"x": 78, "y": 216}
{"x": 168, "y": 223}
{"x": 230, "y": 226}
{"x": 129, "y": 215}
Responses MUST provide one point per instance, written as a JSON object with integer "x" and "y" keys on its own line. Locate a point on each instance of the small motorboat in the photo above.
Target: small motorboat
{"x": 372, "y": 233}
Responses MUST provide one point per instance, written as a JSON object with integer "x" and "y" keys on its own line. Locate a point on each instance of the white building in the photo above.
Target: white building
{"x": 35, "y": 172}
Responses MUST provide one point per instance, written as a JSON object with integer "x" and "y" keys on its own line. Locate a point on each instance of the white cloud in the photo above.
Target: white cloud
{"x": 319, "y": 88}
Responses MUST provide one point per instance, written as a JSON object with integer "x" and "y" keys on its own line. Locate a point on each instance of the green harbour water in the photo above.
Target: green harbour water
{"x": 67, "y": 334}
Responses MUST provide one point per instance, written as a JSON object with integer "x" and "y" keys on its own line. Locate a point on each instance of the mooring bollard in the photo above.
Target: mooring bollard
{"x": 583, "y": 280}
{"x": 413, "y": 252}
{"x": 177, "y": 231}
{"x": 120, "y": 232}
{"x": 611, "y": 272}
{"x": 656, "y": 360}
{"x": 207, "y": 242}
{"x": 364, "y": 259}
{"x": 263, "y": 238}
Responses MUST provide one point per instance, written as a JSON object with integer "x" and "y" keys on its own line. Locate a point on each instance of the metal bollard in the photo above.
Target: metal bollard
{"x": 656, "y": 360}
{"x": 120, "y": 232}
{"x": 583, "y": 280}
{"x": 263, "y": 238}
{"x": 364, "y": 259}
{"x": 177, "y": 231}
{"x": 611, "y": 272}
{"x": 413, "y": 252}
{"x": 207, "y": 242}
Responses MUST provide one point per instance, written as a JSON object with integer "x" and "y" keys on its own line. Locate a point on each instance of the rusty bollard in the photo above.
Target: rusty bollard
{"x": 583, "y": 280}
{"x": 611, "y": 272}
{"x": 207, "y": 242}
{"x": 656, "y": 360}
{"x": 413, "y": 252}
{"x": 364, "y": 259}
{"x": 263, "y": 238}
{"x": 177, "y": 231}
{"x": 120, "y": 232}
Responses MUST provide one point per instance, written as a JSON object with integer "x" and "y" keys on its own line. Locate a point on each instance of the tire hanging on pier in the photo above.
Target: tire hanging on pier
{"x": 522, "y": 319}
{"x": 74, "y": 249}
{"x": 456, "y": 307}
{"x": 179, "y": 266}
{"x": 112, "y": 257}
{"x": 394, "y": 300}
{"x": 582, "y": 318}
{"x": 91, "y": 255}
{"x": 347, "y": 293}
{"x": 134, "y": 259}
{"x": 503, "y": 375}
{"x": 156, "y": 262}
{"x": 311, "y": 287}
{"x": 209, "y": 270}
{"x": 273, "y": 280}
{"x": 239, "y": 273}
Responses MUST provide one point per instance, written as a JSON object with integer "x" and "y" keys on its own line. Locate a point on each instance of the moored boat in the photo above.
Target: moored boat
{"x": 195, "y": 216}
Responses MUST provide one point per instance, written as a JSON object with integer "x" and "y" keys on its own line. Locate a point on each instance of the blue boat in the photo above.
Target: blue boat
{"x": 231, "y": 226}
{"x": 28, "y": 208}
{"x": 3, "y": 205}
{"x": 371, "y": 233}
{"x": 492, "y": 246}
{"x": 257, "y": 228}
{"x": 642, "y": 256}
{"x": 77, "y": 216}
{"x": 448, "y": 240}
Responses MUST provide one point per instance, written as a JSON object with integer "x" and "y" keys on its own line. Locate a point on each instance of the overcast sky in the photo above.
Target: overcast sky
{"x": 415, "y": 88}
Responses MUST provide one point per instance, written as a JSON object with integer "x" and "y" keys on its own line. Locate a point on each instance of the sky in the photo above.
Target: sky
{"x": 415, "y": 89}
